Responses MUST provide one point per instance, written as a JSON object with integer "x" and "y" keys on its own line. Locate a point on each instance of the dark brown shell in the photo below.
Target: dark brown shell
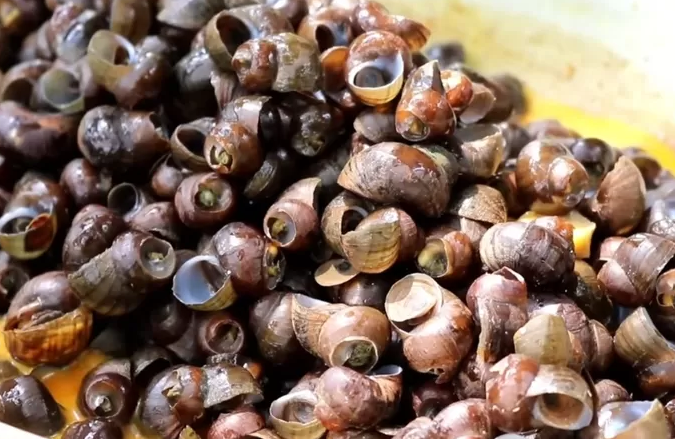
{"x": 114, "y": 138}
{"x": 84, "y": 183}
{"x": 256, "y": 264}
{"x": 45, "y": 323}
{"x": 417, "y": 177}
{"x": 629, "y": 277}
{"x": 28, "y": 405}
{"x": 116, "y": 281}
{"x": 36, "y": 137}
{"x": 93, "y": 230}
{"x": 204, "y": 201}
{"x": 540, "y": 255}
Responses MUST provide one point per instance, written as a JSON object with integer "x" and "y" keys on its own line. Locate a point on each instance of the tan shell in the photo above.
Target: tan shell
{"x": 203, "y": 285}
{"x": 374, "y": 245}
{"x": 632, "y": 420}
{"x": 479, "y": 203}
{"x": 340, "y": 213}
{"x": 64, "y": 337}
{"x": 545, "y": 338}
{"x": 571, "y": 409}
{"x": 292, "y": 416}
{"x": 378, "y": 51}
{"x": 435, "y": 325}
{"x": 36, "y": 238}
{"x": 652, "y": 356}
{"x": 335, "y": 272}
{"x": 341, "y": 335}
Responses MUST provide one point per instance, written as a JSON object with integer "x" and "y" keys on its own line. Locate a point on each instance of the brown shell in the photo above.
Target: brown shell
{"x": 292, "y": 222}
{"x": 329, "y": 27}
{"x": 372, "y": 15}
{"x": 619, "y": 202}
{"x": 436, "y": 327}
{"x": 45, "y": 322}
{"x": 256, "y": 264}
{"x": 204, "y": 201}
{"x": 391, "y": 173}
{"x": 33, "y": 216}
{"x": 548, "y": 173}
{"x": 114, "y": 138}
{"x": 479, "y": 202}
{"x": 423, "y": 112}
{"x": 84, "y": 183}
{"x": 498, "y": 302}
{"x": 93, "y": 230}
{"x": 629, "y": 277}
{"x": 284, "y": 62}
{"x": 229, "y": 29}
{"x": 348, "y": 399}
{"x": 376, "y": 66}
{"x": 36, "y": 137}
{"x": 540, "y": 255}
{"x": 116, "y": 281}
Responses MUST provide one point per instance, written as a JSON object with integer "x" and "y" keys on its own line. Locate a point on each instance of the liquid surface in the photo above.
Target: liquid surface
{"x": 63, "y": 384}
{"x": 613, "y": 132}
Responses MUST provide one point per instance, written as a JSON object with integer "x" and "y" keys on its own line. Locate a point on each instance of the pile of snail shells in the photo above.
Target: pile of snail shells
{"x": 291, "y": 219}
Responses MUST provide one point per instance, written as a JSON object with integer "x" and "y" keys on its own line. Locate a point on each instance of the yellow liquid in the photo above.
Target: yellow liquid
{"x": 615, "y": 133}
{"x": 64, "y": 383}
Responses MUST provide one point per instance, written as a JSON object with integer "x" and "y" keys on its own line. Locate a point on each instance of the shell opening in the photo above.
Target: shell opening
{"x": 232, "y": 32}
{"x": 620, "y": 418}
{"x": 120, "y": 56}
{"x": 63, "y": 89}
{"x": 19, "y": 90}
{"x": 124, "y": 198}
{"x": 220, "y": 157}
{"x": 274, "y": 265}
{"x": 358, "y": 354}
{"x": 211, "y": 193}
{"x": 157, "y": 124}
{"x": 372, "y": 77}
{"x": 295, "y": 407}
{"x": 414, "y": 129}
{"x": 299, "y": 411}
{"x": 324, "y": 37}
{"x": 562, "y": 411}
{"x": 25, "y": 233}
{"x": 192, "y": 139}
{"x": 665, "y": 299}
{"x": 388, "y": 370}
{"x": 351, "y": 218}
{"x": 226, "y": 337}
{"x": 378, "y": 81}
{"x": 433, "y": 259}
{"x": 157, "y": 258}
{"x": 206, "y": 198}
{"x": 17, "y": 224}
{"x": 281, "y": 228}
{"x": 198, "y": 280}
{"x": 102, "y": 405}
{"x": 104, "y": 398}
